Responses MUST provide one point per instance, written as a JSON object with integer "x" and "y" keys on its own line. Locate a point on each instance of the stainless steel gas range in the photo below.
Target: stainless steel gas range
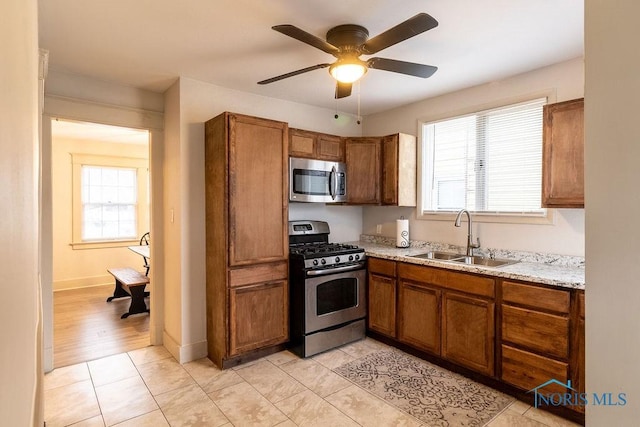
{"x": 327, "y": 289}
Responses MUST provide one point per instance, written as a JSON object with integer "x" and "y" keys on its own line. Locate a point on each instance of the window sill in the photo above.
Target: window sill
{"x": 545, "y": 219}
{"x": 103, "y": 244}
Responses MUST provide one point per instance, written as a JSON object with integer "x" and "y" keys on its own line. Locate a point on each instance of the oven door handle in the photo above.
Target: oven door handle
{"x": 335, "y": 270}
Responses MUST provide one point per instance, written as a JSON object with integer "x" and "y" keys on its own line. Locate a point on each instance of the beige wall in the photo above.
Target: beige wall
{"x": 74, "y": 268}
{"x": 170, "y": 226}
{"x": 565, "y": 81}
{"x": 20, "y": 317}
{"x": 612, "y": 155}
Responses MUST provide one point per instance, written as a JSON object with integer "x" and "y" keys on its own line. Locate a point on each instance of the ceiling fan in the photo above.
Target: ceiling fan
{"x": 348, "y": 42}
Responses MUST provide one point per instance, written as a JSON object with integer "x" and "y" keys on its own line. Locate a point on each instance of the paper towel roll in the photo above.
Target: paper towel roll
{"x": 402, "y": 233}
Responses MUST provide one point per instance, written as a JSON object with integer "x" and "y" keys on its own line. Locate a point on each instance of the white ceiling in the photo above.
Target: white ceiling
{"x": 230, "y": 43}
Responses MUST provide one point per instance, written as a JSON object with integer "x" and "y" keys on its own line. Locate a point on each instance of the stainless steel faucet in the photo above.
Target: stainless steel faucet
{"x": 470, "y": 245}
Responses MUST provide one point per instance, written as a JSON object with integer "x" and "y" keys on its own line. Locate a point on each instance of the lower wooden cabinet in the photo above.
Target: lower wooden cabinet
{"x": 382, "y": 304}
{"x": 258, "y": 316}
{"x": 468, "y": 331}
{"x": 419, "y": 316}
{"x": 522, "y": 334}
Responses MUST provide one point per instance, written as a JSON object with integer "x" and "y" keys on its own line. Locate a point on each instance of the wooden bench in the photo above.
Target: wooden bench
{"x": 130, "y": 282}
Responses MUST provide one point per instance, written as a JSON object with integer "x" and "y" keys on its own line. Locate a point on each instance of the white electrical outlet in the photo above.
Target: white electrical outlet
{"x": 379, "y": 229}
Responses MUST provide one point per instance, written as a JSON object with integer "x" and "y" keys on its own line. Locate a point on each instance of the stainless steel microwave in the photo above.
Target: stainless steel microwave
{"x": 317, "y": 181}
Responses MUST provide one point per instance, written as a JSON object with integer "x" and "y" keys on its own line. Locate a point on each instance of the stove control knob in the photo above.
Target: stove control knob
{"x": 350, "y": 257}
{"x": 315, "y": 262}
{"x": 357, "y": 257}
{"x": 337, "y": 259}
{"x": 323, "y": 261}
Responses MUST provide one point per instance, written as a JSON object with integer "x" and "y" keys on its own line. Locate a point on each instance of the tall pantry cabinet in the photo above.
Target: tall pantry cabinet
{"x": 246, "y": 169}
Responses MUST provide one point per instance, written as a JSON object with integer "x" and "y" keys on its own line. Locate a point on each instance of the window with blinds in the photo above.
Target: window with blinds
{"x": 486, "y": 162}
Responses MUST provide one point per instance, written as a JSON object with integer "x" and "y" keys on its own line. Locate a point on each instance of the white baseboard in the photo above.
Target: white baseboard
{"x": 186, "y": 353}
{"x": 83, "y": 282}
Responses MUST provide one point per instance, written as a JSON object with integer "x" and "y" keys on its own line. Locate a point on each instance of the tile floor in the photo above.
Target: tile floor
{"x": 147, "y": 387}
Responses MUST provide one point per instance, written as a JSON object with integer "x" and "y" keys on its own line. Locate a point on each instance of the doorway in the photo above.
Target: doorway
{"x": 100, "y": 205}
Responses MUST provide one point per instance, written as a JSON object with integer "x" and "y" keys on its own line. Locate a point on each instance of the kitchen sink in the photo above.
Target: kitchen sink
{"x": 445, "y": 256}
{"x": 462, "y": 259}
{"x": 480, "y": 260}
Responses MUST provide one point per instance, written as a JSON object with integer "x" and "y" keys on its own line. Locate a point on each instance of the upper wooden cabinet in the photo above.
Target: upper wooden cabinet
{"x": 363, "y": 157}
{"x": 399, "y": 171}
{"x": 247, "y": 248}
{"x": 314, "y": 145}
{"x": 381, "y": 170}
{"x": 563, "y": 155}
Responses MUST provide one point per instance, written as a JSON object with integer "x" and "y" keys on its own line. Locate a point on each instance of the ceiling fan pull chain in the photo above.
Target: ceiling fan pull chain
{"x": 359, "y": 117}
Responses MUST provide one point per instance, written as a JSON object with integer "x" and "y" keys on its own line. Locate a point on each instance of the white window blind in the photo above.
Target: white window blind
{"x": 486, "y": 162}
{"x": 109, "y": 203}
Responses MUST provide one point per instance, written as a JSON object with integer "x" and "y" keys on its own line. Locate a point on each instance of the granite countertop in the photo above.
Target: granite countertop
{"x": 564, "y": 276}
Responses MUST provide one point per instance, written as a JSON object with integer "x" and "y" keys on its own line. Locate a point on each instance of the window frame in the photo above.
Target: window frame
{"x": 546, "y": 217}
{"x": 141, "y": 166}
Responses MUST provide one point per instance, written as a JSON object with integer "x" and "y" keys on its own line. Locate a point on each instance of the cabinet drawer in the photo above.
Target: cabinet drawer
{"x": 382, "y": 266}
{"x": 527, "y": 370}
{"x": 467, "y": 283}
{"x": 470, "y": 284}
{"x": 537, "y": 331}
{"x": 418, "y": 273}
{"x": 261, "y": 273}
{"x": 533, "y": 296}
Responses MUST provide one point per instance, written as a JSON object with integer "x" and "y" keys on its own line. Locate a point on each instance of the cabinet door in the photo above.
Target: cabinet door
{"x": 258, "y": 198}
{"x": 468, "y": 331}
{"x": 563, "y": 155}
{"x": 390, "y": 170}
{"x": 382, "y": 304}
{"x": 363, "y": 170}
{"x": 419, "y": 316}
{"x": 329, "y": 147}
{"x": 302, "y": 143}
{"x": 258, "y": 316}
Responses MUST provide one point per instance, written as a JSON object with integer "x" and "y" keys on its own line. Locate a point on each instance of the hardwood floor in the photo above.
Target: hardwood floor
{"x": 86, "y": 327}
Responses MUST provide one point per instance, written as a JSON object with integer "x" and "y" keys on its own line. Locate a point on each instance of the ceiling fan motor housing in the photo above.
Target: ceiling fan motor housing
{"x": 348, "y": 37}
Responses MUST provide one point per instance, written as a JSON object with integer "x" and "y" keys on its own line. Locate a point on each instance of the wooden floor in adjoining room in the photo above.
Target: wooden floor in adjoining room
{"x": 86, "y": 327}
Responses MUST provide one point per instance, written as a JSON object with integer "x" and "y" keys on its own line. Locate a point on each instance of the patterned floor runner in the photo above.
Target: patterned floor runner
{"x": 433, "y": 395}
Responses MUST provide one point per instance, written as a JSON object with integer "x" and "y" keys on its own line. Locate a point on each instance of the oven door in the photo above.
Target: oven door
{"x": 334, "y": 299}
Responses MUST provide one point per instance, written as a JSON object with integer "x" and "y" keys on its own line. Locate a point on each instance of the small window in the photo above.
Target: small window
{"x": 488, "y": 162}
{"x": 109, "y": 203}
{"x": 110, "y": 200}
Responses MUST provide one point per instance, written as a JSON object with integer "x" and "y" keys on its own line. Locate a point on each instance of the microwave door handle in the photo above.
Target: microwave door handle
{"x": 333, "y": 183}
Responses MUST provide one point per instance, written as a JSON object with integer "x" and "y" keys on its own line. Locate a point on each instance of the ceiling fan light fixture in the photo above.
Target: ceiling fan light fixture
{"x": 348, "y": 71}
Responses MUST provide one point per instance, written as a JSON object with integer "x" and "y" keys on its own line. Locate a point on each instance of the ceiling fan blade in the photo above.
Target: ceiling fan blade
{"x": 293, "y": 73}
{"x": 411, "y": 27}
{"x": 343, "y": 90}
{"x": 402, "y": 67}
{"x": 304, "y": 37}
